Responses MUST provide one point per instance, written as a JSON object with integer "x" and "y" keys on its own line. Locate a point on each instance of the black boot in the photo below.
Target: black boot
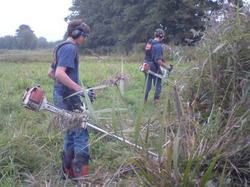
{"x": 80, "y": 165}
{"x": 67, "y": 163}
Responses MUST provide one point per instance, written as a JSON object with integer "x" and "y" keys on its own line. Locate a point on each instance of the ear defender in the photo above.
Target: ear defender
{"x": 76, "y": 34}
{"x": 158, "y": 33}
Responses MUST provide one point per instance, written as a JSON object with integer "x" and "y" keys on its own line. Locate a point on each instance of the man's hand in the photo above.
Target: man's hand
{"x": 90, "y": 93}
{"x": 170, "y": 67}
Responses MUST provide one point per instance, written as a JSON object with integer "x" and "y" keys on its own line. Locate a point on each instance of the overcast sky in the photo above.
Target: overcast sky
{"x": 45, "y": 17}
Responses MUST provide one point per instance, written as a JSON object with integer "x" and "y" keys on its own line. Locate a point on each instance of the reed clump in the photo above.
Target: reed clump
{"x": 205, "y": 121}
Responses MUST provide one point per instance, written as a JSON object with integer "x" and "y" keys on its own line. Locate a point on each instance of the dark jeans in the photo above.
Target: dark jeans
{"x": 75, "y": 139}
{"x": 149, "y": 78}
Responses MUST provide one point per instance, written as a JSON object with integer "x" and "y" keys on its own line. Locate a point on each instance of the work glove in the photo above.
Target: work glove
{"x": 78, "y": 107}
{"x": 170, "y": 67}
{"x": 90, "y": 93}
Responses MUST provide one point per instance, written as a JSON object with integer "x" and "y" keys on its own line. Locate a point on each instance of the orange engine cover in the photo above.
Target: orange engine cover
{"x": 145, "y": 66}
{"x": 36, "y": 94}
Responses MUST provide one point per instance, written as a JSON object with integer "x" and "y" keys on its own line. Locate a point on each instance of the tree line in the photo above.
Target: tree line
{"x": 123, "y": 24}
{"x": 119, "y": 25}
{"x": 25, "y": 39}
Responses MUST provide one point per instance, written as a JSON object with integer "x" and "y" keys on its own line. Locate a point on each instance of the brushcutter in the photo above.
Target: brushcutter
{"x": 35, "y": 100}
{"x": 145, "y": 68}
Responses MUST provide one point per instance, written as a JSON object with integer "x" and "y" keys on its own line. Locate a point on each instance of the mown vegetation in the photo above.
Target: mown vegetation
{"x": 200, "y": 130}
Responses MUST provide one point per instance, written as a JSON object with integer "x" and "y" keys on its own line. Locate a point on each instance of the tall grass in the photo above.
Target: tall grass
{"x": 211, "y": 108}
{"x": 199, "y": 129}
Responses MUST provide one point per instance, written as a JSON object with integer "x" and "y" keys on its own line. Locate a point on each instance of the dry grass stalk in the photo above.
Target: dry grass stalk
{"x": 115, "y": 81}
{"x": 96, "y": 55}
{"x": 66, "y": 122}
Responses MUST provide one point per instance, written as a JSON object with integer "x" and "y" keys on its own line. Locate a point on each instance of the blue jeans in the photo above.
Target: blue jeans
{"x": 149, "y": 78}
{"x": 75, "y": 139}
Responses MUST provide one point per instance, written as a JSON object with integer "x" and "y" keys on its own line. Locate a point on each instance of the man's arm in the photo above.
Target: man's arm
{"x": 65, "y": 80}
{"x": 169, "y": 68}
{"x": 157, "y": 58}
{"x": 162, "y": 64}
{"x": 51, "y": 73}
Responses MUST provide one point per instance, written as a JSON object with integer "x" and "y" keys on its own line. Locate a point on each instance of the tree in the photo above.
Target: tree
{"x": 42, "y": 43}
{"x": 182, "y": 16}
{"x": 124, "y": 23}
{"x": 8, "y": 42}
{"x": 26, "y": 38}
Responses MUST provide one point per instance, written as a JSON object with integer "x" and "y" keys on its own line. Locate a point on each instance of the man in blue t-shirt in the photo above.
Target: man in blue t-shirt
{"x": 153, "y": 57}
{"x": 64, "y": 70}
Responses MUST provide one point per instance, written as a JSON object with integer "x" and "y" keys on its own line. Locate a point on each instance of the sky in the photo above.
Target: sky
{"x": 45, "y": 17}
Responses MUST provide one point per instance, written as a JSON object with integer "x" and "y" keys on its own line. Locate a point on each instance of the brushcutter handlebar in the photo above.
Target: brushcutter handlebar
{"x": 146, "y": 69}
{"x": 170, "y": 67}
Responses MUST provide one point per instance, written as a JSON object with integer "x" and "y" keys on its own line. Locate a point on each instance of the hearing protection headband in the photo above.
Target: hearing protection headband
{"x": 84, "y": 34}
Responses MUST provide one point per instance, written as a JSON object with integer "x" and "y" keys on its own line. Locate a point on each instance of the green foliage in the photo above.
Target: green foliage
{"x": 8, "y": 42}
{"x": 209, "y": 170}
{"x": 125, "y": 23}
{"x": 224, "y": 65}
{"x": 25, "y": 38}
{"x": 217, "y": 88}
{"x": 42, "y": 43}
{"x": 24, "y": 132}
{"x": 25, "y": 145}
{"x": 190, "y": 162}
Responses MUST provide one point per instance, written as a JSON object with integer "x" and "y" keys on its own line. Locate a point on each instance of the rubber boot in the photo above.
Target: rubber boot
{"x": 80, "y": 165}
{"x": 67, "y": 164}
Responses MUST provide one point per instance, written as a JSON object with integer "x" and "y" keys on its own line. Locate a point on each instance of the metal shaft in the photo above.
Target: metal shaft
{"x": 161, "y": 77}
{"x": 57, "y": 110}
{"x": 120, "y": 138}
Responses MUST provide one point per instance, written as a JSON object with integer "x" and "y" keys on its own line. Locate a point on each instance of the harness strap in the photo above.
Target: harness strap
{"x": 56, "y": 50}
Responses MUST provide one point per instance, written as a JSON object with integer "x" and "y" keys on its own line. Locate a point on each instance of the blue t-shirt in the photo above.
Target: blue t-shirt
{"x": 67, "y": 57}
{"x": 155, "y": 55}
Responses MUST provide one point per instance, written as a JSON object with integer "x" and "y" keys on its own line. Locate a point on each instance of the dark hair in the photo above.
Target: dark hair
{"x": 159, "y": 33}
{"x": 78, "y": 24}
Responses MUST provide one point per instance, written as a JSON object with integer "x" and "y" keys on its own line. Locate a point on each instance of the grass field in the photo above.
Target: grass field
{"x": 28, "y": 149}
{"x": 200, "y": 129}
{"x": 30, "y": 154}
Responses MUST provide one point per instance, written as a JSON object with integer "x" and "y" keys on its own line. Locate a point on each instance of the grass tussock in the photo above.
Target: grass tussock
{"x": 208, "y": 140}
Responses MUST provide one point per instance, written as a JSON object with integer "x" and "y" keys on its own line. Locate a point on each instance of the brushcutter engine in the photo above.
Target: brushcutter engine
{"x": 144, "y": 67}
{"x": 33, "y": 98}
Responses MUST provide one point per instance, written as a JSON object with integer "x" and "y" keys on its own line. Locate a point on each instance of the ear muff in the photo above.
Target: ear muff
{"x": 78, "y": 31}
{"x": 158, "y": 33}
{"x": 75, "y": 34}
